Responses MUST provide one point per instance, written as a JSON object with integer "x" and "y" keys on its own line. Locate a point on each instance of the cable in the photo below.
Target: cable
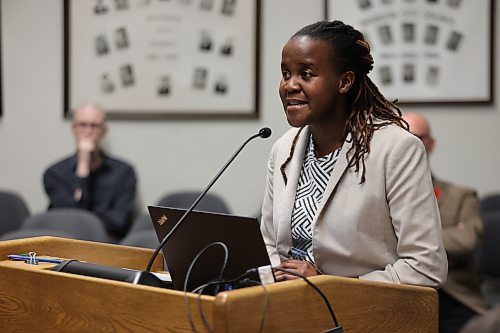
{"x": 241, "y": 279}
{"x": 201, "y": 288}
{"x": 221, "y": 281}
{"x": 186, "y": 280}
{"x": 193, "y": 262}
{"x": 218, "y": 282}
{"x": 328, "y": 305}
{"x": 266, "y": 304}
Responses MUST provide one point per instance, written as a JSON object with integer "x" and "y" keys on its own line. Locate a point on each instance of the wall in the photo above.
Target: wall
{"x": 173, "y": 155}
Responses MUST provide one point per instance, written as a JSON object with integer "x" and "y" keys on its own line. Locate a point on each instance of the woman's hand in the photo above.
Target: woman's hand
{"x": 300, "y": 267}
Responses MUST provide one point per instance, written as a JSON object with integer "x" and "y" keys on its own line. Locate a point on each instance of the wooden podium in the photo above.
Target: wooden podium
{"x": 34, "y": 299}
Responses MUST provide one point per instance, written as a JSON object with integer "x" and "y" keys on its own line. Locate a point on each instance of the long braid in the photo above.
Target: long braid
{"x": 292, "y": 149}
{"x": 369, "y": 104}
{"x": 351, "y": 52}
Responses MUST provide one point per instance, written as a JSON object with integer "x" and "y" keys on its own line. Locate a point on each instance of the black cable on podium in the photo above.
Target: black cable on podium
{"x": 337, "y": 328}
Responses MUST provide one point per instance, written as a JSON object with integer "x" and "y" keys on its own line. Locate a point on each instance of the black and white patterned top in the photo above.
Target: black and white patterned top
{"x": 313, "y": 179}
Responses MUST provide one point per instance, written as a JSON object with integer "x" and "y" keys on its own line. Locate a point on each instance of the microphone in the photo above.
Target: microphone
{"x": 263, "y": 133}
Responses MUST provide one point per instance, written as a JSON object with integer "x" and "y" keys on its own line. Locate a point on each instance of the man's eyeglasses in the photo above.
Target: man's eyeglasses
{"x": 88, "y": 125}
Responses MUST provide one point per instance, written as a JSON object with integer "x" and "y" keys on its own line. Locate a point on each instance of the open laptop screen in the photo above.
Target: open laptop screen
{"x": 241, "y": 235}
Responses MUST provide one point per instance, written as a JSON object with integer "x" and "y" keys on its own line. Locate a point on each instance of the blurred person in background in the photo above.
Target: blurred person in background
{"x": 460, "y": 297}
{"x": 91, "y": 179}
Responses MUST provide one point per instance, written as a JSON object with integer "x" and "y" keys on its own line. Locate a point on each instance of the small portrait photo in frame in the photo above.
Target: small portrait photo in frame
{"x": 127, "y": 75}
{"x": 121, "y": 38}
{"x": 101, "y": 45}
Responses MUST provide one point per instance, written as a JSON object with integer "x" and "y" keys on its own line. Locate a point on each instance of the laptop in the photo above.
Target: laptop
{"x": 241, "y": 235}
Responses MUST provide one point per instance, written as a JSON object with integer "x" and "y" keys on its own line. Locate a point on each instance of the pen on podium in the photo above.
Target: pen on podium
{"x": 28, "y": 258}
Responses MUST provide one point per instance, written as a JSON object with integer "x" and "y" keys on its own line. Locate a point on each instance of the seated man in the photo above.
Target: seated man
{"x": 92, "y": 180}
{"x": 460, "y": 297}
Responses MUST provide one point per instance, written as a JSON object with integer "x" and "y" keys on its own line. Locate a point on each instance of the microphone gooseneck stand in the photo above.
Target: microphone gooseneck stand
{"x": 263, "y": 133}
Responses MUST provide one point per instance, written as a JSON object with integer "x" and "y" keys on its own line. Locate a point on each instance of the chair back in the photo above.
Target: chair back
{"x": 81, "y": 224}
{"x": 488, "y": 254}
{"x": 26, "y": 233}
{"x": 210, "y": 203}
{"x": 490, "y": 203}
{"x": 145, "y": 239}
{"x": 13, "y": 211}
{"x": 141, "y": 238}
{"x": 141, "y": 222}
{"x": 488, "y": 259}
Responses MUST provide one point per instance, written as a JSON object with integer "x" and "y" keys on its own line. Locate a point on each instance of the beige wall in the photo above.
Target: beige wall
{"x": 173, "y": 155}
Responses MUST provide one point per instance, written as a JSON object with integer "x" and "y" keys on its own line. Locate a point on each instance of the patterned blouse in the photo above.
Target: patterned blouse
{"x": 313, "y": 179}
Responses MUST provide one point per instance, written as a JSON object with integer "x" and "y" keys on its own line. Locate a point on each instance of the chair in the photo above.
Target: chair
{"x": 488, "y": 258}
{"x": 141, "y": 222}
{"x": 25, "y": 233}
{"x": 141, "y": 233}
{"x": 210, "y": 203}
{"x": 13, "y": 211}
{"x": 81, "y": 224}
{"x": 490, "y": 203}
{"x": 141, "y": 238}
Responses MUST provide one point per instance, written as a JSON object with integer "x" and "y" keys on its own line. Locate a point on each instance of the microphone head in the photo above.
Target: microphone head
{"x": 265, "y": 132}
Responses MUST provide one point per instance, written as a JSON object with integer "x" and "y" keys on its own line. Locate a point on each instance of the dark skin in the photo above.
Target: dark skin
{"x": 314, "y": 92}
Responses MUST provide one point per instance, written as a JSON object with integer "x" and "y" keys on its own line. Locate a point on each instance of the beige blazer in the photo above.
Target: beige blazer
{"x": 386, "y": 229}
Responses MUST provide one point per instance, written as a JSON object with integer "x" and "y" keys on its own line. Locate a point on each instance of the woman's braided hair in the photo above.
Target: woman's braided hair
{"x": 351, "y": 52}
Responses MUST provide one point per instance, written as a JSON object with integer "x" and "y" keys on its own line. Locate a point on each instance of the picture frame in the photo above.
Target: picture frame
{"x": 144, "y": 59}
{"x": 423, "y": 49}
